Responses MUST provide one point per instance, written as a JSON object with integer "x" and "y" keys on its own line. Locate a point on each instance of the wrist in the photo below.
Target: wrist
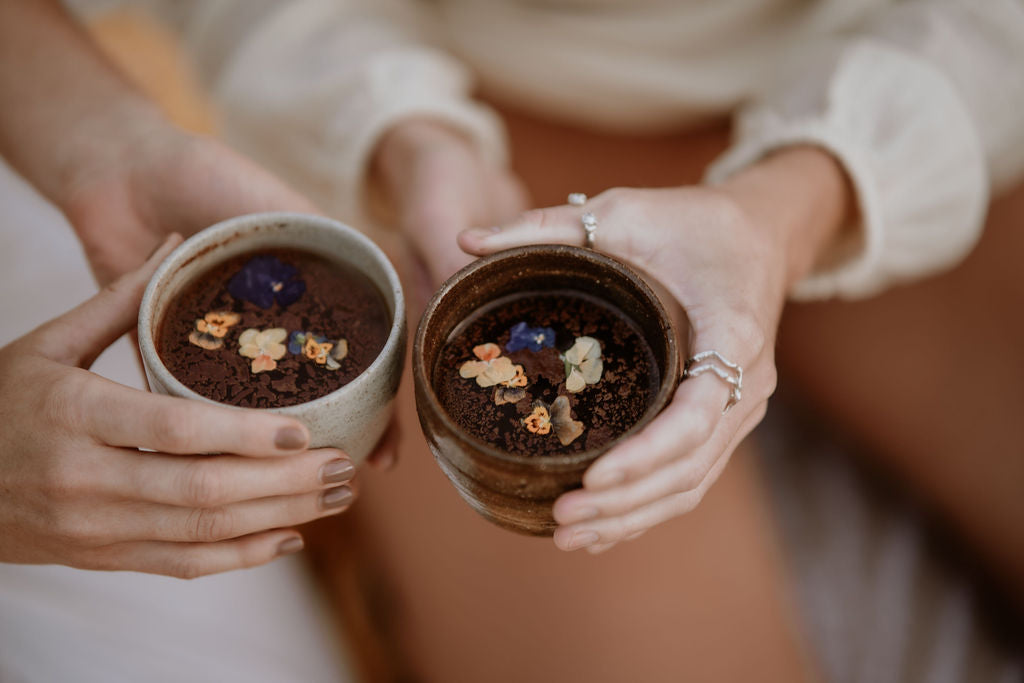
{"x": 802, "y": 196}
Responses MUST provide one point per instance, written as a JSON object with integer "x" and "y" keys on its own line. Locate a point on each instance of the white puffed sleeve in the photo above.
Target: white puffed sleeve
{"x": 307, "y": 87}
{"x": 923, "y": 107}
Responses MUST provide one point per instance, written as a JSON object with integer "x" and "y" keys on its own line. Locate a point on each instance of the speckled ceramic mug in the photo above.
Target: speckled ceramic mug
{"x": 353, "y": 417}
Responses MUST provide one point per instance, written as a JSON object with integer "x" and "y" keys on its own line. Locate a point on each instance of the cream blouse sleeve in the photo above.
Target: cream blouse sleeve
{"x": 307, "y": 87}
{"x": 924, "y": 107}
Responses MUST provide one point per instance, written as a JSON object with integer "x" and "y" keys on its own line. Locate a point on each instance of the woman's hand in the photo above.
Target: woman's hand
{"x": 153, "y": 180}
{"x": 728, "y": 255}
{"x": 436, "y": 185}
{"x": 77, "y": 489}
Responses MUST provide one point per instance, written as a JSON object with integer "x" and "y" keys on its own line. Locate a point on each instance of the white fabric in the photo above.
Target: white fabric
{"x": 919, "y": 99}
{"x": 265, "y": 625}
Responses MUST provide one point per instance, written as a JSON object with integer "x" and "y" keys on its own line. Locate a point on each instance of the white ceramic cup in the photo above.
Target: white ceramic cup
{"x": 353, "y": 417}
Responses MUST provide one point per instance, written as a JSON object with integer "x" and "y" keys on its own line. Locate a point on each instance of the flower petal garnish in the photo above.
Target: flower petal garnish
{"x": 503, "y": 395}
{"x": 575, "y": 382}
{"x": 521, "y": 336}
{"x": 217, "y": 323}
{"x": 539, "y": 421}
{"x": 519, "y": 379}
{"x": 492, "y": 368}
{"x": 340, "y": 350}
{"x": 566, "y": 429}
{"x": 583, "y": 364}
{"x": 487, "y": 352}
{"x": 204, "y": 340}
{"x": 264, "y": 347}
{"x": 265, "y": 279}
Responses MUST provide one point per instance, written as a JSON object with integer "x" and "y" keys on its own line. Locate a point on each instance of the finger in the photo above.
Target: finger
{"x": 81, "y": 334}
{"x": 599, "y": 548}
{"x": 556, "y": 225}
{"x": 192, "y": 560}
{"x": 632, "y": 524}
{"x": 684, "y": 474}
{"x": 210, "y": 481}
{"x": 686, "y": 423}
{"x": 385, "y": 454}
{"x": 431, "y": 222}
{"x": 120, "y": 416}
{"x": 151, "y": 522}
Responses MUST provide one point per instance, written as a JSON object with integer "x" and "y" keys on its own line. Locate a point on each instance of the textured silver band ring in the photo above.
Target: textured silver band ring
{"x": 577, "y": 198}
{"x": 731, "y": 374}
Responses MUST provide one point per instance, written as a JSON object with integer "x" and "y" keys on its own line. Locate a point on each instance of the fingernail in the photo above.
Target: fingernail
{"x": 495, "y": 228}
{"x": 290, "y": 439}
{"x": 337, "y": 471}
{"x": 582, "y": 539}
{"x": 336, "y": 498}
{"x": 291, "y": 545}
{"x": 580, "y": 515}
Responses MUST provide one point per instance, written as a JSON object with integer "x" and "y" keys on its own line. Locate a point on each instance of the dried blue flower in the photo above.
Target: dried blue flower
{"x": 265, "y": 279}
{"x": 534, "y": 338}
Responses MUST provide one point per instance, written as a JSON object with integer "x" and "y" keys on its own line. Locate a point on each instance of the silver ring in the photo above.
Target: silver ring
{"x": 577, "y": 198}
{"x": 732, "y": 374}
{"x": 589, "y": 227}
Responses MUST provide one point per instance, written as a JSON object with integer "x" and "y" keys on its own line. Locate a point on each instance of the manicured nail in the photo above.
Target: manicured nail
{"x": 337, "y": 471}
{"x": 291, "y": 545}
{"x": 582, "y": 539}
{"x": 336, "y": 498}
{"x": 290, "y": 439}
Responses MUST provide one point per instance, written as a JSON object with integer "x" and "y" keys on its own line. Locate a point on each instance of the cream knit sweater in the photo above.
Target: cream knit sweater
{"x": 921, "y": 100}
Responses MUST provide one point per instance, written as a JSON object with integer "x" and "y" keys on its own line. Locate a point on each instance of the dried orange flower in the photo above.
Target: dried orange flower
{"x": 539, "y": 421}
{"x": 210, "y": 330}
{"x": 559, "y": 418}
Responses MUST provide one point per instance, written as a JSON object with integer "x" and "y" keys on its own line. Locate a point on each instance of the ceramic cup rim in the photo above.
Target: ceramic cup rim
{"x": 667, "y": 388}
{"x": 192, "y": 248}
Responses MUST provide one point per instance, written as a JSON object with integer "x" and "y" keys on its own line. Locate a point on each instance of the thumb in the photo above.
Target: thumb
{"x": 81, "y": 334}
{"x": 554, "y": 225}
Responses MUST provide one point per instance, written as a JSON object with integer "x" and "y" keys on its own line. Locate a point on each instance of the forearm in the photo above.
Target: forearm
{"x": 803, "y": 198}
{"x": 65, "y": 111}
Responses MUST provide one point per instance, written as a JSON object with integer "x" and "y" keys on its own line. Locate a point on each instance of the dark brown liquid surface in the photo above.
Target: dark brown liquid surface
{"x": 338, "y": 302}
{"x": 628, "y": 384}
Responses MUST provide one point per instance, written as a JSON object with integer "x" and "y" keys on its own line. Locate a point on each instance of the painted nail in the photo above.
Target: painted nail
{"x": 291, "y": 545}
{"x": 337, "y": 472}
{"x": 582, "y": 539}
{"x": 336, "y": 498}
{"x": 290, "y": 439}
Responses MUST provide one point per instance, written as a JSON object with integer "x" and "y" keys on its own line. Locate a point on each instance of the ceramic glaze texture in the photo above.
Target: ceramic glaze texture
{"x": 517, "y": 491}
{"x": 352, "y": 418}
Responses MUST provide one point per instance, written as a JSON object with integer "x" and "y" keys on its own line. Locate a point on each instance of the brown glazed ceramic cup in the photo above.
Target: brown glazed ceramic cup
{"x": 515, "y": 491}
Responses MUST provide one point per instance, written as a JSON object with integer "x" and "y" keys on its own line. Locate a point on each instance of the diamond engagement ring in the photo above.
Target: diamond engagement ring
{"x": 577, "y": 198}
{"x": 731, "y": 373}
